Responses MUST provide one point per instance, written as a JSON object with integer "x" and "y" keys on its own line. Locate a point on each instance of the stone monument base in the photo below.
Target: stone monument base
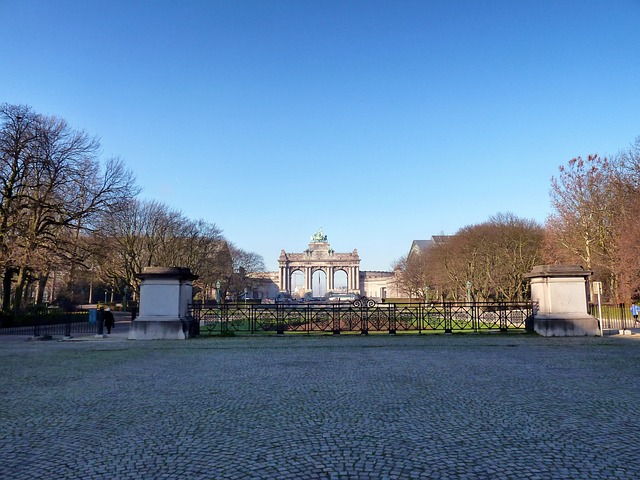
{"x": 165, "y": 294}
{"x": 566, "y": 325}
{"x": 150, "y": 329}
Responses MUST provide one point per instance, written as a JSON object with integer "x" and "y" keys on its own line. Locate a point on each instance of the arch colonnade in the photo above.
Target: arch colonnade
{"x": 319, "y": 257}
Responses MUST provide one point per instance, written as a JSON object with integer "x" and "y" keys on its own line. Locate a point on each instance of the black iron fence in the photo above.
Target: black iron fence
{"x": 49, "y": 324}
{"x": 447, "y": 317}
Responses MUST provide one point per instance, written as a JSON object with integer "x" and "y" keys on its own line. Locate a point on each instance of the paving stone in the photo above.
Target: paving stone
{"x": 316, "y": 407}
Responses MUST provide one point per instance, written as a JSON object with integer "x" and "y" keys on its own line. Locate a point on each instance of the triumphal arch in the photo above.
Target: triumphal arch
{"x": 319, "y": 257}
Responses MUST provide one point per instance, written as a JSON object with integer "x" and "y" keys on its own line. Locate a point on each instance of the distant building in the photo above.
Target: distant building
{"x": 379, "y": 284}
{"x": 320, "y": 257}
{"x": 264, "y": 285}
{"x": 421, "y": 246}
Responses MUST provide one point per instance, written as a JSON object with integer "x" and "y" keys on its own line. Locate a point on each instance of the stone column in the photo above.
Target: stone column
{"x": 287, "y": 279}
{"x": 326, "y": 281}
{"x": 559, "y": 293}
{"x": 165, "y": 295}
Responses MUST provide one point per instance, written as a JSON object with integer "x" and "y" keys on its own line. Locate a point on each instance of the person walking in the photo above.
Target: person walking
{"x": 635, "y": 309}
{"x": 109, "y": 321}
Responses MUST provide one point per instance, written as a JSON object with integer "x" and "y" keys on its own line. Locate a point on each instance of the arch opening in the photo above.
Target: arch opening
{"x": 319, "y": 283}
{"x": 297, "y": 284}
{"x": 340, "y": 281}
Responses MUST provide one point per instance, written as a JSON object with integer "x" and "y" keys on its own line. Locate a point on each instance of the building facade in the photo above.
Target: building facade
{"x": 319, "y": 257}
{"x": 319, "y": 270}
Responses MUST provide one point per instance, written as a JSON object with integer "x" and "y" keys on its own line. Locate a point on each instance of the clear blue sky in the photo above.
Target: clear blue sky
{"x": 379, "y": 121}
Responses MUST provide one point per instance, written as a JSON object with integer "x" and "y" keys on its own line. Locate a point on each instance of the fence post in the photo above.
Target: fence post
{"x": 502, "y": 309}
{"x": 448, "y": 313}
{"x": 224, "y": 317}
{"x": 335, "y": 319}
{"x": 392, "y": 320}
{"x": 475, "y": 324}
{"x": 280, "y": 319}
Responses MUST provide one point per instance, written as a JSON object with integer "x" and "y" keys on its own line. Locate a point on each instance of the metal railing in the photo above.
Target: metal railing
{"x": 614, "y": 316}
{"x": 59, "y": 324}
{"x": 446, "y": 317}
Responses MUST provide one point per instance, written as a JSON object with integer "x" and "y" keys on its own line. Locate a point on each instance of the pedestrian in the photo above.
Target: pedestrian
{"x": 635, "y": 309}
{"x": 109, "y": 321}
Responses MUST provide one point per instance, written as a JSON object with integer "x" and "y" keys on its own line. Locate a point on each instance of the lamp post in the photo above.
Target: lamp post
{"x": 469, "y": 299}
{"x": 218, "y": 292}
{"x": 124, "y": 299}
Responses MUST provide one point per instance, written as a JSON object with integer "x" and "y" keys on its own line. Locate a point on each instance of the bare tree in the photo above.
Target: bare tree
{"x": 588, "y": 199}
{"x": 54, "y": 187}
{"x": 415, "y": 277}
{"x": 491, "y": 259}
{"x": 627, "y": 250}
{"x": 243, "y": 264}
{"x": 16, "y": 160}
{"x": 149, "y": 233}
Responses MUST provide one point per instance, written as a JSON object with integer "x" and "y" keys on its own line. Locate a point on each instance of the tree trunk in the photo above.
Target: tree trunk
{"x": 6, "y": 288}
{"x": 42, "y": 283}
{"x": 17, "y": 294}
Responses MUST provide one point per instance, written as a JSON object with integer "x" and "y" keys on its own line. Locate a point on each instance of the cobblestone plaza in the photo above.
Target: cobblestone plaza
{"x": 321, "y": 407}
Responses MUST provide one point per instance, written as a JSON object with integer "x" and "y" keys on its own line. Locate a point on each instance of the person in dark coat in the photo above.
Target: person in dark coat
{"x": 109, "y": 321}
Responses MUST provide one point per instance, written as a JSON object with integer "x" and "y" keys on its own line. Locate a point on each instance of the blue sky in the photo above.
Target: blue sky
{"x": 379, "y": 121}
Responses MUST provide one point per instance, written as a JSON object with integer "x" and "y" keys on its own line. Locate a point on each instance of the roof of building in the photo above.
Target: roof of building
{"x": 419, "y": 246}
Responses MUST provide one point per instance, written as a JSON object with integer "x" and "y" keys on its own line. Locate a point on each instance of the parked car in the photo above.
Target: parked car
{"x": 343, "y": 297}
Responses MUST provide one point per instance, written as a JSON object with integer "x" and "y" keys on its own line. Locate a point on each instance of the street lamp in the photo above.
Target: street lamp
{"x": 124, "y": 299}
{"x": 218, "y": 292}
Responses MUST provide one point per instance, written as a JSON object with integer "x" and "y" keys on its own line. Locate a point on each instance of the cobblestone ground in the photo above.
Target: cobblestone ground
{"x": 352, "y": 407}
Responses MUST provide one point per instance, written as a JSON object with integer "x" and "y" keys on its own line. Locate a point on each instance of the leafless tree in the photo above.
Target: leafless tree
{"x": 491, "y": 259}
{"x": 149, "y": 233}
{"x": 54, "y": 186}
{"x": 589, "y": 199}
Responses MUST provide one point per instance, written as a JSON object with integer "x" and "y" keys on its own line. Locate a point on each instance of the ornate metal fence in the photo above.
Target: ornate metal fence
{"x": 363, "y": 317}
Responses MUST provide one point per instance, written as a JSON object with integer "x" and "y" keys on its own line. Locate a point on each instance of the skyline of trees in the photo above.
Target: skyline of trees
{"x": 487, "y": 261}
{"x": 595, "y": 203}
{"x": 72, "y": 218}
{"x": 54, "y": 187}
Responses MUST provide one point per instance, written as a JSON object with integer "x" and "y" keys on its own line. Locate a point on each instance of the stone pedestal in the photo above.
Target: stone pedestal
{"x": 165, "y": 294}
{"x": 560, "y": 293}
